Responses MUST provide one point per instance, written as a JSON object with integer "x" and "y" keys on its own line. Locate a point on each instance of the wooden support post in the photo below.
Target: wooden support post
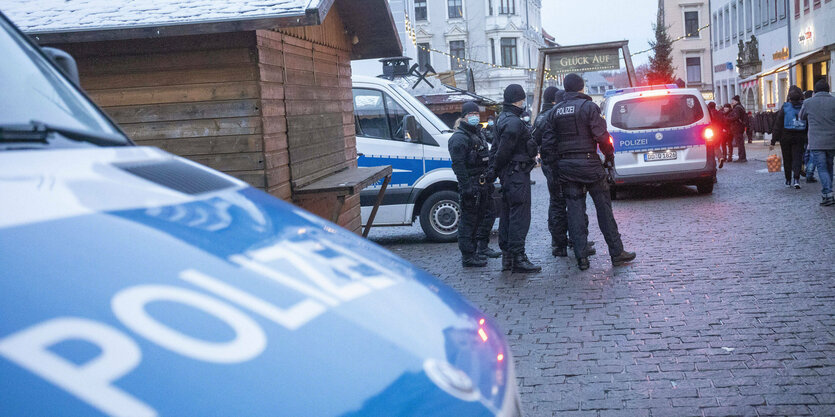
{"x": 540, "y": 81}
{"x": 630, "y": 69}
{"x": 376, "y": 206}
{"x": 340, "y": 201}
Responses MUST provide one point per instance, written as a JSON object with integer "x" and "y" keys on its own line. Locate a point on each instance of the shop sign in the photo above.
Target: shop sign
{"x": 723, "y": 67}
{"x": 771, "y": 105}
{"x": 781, "y": 54}
{"x": 805, "y": 35}
{"x": 584, "y": 61}
{"x": 707, "y": 95}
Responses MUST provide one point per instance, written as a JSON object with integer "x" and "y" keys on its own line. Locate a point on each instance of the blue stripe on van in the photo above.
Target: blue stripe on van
{"x": 647, "y": 140}
{"x": 405, "y": 171}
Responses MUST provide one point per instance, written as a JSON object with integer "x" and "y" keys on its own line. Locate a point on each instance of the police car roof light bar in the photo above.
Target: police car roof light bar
{"x": 627, "y": 90}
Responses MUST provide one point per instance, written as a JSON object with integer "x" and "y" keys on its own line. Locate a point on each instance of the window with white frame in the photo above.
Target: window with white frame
{"x": 694, "y": 70}
{"x": 509, "y": 54}
{"x": 455, "y": 9}
{"x": 420, "y": 10}
{"x": 507, "y": 6}
{"x": 424, "y": 58}
{"x": 489, "y": 7}
{"x": 691, "y": 24}
{"x": 456, "y": 49}
{"x": 492, "y": 51}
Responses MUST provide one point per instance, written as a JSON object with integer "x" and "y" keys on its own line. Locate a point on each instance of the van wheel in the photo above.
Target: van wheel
{"x": 705, "y": 187}
{"x": 440, "y": 216}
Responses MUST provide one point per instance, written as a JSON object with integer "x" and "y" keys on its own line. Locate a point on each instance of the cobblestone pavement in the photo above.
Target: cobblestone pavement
{"x": 729, "y": 308}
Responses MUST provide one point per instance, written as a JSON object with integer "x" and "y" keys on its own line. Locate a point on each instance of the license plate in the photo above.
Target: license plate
{"x": 660, "y": 156}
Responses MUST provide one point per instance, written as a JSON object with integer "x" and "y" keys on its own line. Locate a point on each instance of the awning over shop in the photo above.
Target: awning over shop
{"x": 777, "y": 68}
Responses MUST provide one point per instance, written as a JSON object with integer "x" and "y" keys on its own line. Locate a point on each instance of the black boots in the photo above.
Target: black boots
{"x": 583, "y": 264}
{"x": 559, "y": 252}
{"x": 473, "y": 261}
{"x": 507, "y": 261}
{"x": 485, "y": 250}
{"x": 622, "y": 258}
{"x": 522, "y": 264}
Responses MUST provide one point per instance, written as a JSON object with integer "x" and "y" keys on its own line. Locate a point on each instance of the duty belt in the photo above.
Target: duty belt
{"x": 579, "y": 155}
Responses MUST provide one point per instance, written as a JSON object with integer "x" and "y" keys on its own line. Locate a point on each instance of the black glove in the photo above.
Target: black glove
{"x": 531, "y": 148}
{"x": 489, "y": 176}
{"x": 609, "y": 162}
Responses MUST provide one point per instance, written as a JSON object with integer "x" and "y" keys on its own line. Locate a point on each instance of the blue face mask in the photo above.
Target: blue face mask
{"x": 527, "y": 118}
{"x": 489, "y": 123}
{"x": 473, "y": 120}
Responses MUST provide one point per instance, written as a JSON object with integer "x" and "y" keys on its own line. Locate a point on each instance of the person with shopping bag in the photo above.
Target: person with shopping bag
{"x": 792, "y": 133}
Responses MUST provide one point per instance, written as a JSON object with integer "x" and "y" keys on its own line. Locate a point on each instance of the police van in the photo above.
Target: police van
{"x": 393, "y": 128}
{"x": 661, "y": 135}
{"x": 137, "y": 283}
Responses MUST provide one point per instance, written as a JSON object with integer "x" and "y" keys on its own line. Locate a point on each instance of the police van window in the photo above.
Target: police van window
{"x": 395, "y": 115}
{"x": 370, "y": 114}
{"x": 656, "y": 112}
{"x": 33, "y": 89}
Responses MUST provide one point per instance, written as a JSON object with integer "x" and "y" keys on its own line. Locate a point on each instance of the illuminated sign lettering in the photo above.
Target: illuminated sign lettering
{"x": 584, "y": 61}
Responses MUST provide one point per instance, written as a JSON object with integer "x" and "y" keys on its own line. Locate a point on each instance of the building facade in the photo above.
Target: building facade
{"x": 750, "y": 40}
{"x": 691, "y": 54}
{"x": 812, "y": 44}
{"x": 506, "y": 33}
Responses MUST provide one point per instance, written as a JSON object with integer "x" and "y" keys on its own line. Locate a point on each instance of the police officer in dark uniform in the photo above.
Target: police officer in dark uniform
{"x": 512, "y": 161}
{"x": 573, "y": 133}
{"x": 469, "y": 151}
{"x": 557, "y": 219}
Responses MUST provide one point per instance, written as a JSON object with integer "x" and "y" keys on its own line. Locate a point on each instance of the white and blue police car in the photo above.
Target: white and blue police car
{"x": 661, "y": 135}
{"x": 136, "y": 283}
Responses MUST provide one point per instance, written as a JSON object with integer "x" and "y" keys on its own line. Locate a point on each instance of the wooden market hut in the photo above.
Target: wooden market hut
{"x": 261, "y": 91}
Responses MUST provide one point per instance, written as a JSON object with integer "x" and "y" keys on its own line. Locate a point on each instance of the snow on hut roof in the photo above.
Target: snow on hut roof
{"x": 76, "y": 15}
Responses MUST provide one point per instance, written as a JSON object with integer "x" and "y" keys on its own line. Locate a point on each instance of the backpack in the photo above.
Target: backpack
{"x": 791, "y": 119}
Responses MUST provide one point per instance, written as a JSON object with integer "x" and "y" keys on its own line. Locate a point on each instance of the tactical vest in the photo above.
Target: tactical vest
{"x": 479, "y": 157}
{"x": 573, "y": 135}
{"x": 520, "y": 150}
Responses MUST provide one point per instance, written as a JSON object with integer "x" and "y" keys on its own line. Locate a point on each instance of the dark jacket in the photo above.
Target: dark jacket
{"x": 736, "y": 119}
{"x": 511, "y": 142}
{"x": 589, "y": 119}
{"x": 468, "y": 151}
{"x": 539, "y": 124}
{"x": 784, "y": 136}
{"x": 717, "y": 119}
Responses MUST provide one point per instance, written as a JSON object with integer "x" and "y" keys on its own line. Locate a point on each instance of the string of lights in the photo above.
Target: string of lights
{"x": 410, "y": 30}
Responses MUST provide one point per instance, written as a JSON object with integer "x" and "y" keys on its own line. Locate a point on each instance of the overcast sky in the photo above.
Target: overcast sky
{"x": 574, "y": 22}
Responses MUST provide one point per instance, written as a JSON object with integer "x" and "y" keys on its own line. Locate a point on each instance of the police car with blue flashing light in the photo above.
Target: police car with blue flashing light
{"x": 393, "y": 128}
{"x": 661, "y": 134}
{"x": 137, "y": 283}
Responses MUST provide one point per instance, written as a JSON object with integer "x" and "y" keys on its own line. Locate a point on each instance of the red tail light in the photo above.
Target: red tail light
{"x": 708, "y": 134}
{"x": 611, "y": 140}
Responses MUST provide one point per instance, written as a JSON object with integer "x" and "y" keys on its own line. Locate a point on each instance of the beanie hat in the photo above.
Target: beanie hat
{"x": 469, "y": 107}
{"x": 727, "y": 105}
{"x": 808, "y": 94}
{"x": 736, "y": 99}
{"x": 550, "y": 94}
{"x": 711, "y": 105}
{"x": 822, "y": 86}
{"x": 514, "y": 93}
{"x": 573, "y": 83}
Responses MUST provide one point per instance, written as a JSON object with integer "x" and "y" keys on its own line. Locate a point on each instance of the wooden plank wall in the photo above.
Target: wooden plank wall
{"x": 317, "y": 136}
{"x": 194, "y": 96}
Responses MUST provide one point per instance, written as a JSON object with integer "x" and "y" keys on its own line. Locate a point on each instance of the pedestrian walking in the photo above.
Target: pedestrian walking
{"x": 717, "y": 119}
{"x": 574, "y": 132}
{"x": 512, "y": 161}
{"x": 737, "y": 120}
{"x": 469, "y": 152}
{"x": 749, "y": 127}
{"x": 727, "y": 136}
{"x": 819, "y": 113}
{"x": 808, "y": 163}
{"x": 791, "y": 132}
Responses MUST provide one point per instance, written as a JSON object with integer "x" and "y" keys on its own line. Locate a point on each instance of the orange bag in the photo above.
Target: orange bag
{"x": 773, "y": 162}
